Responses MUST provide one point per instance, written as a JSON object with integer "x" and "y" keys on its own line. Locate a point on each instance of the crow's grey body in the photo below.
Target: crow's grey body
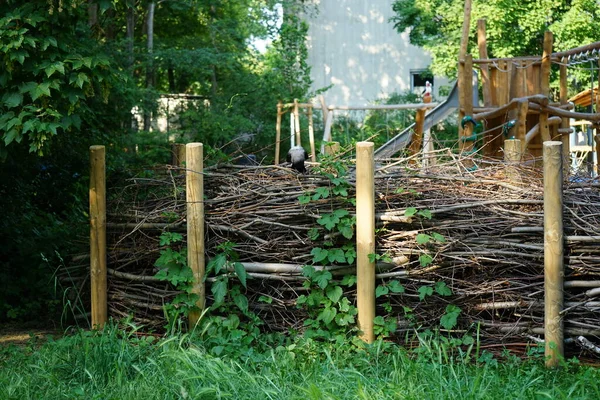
{"x": 297, "y": 155}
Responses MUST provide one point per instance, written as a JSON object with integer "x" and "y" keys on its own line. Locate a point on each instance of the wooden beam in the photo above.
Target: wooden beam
{"x": 278, "y": 134}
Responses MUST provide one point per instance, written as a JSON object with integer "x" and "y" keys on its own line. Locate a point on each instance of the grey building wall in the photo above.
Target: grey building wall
{"x": 354, "y": 46}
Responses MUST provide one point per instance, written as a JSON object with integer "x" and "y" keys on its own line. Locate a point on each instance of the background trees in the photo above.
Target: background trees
{"x": 514, "y": 28}
{"x": 72, "y": 70}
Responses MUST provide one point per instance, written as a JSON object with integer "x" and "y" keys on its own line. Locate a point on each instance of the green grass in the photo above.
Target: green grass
{"x": 114, "y": 365}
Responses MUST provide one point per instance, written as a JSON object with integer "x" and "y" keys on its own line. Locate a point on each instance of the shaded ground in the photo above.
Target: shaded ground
{"x": 23, "y": 334}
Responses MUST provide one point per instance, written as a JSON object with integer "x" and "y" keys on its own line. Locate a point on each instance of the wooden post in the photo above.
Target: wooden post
{"x": 485, "y": 69}
{"x": 565, "y": 123}
{"x": 466, "y": 104}
{"x": 278, "y": 134}
{"x": 513, "y": 154}
{"x": 327, "y": 130}
{"x": 98, "y": 236}
{"x": 545, "y": 83}
{"x": 365, "y": 239}
{"x": 332, "y": 148}
{"x": 297, "y": 123}
{"x": 417, "y": 139}
{"x": 195, "y": 225}
{"x": 311, "y": 135}
{"x": 553, "y": 252}
{"x": 464, "y": 41}
{"x": 292, "y": 128}
{"x": 323, "y": 107}
{"x": 178, "y": 154}
{"x": 521, "y": 128}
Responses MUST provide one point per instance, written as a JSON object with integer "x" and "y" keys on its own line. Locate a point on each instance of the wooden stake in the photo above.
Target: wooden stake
{"x": 365, "y": 239}
{"x": 332, "y": 148}
{"x": 297, "y": 123}
{"x": 546, "y": 63}
{"x": 178, "y": 154}
{"x": 323, "y": 107}
{"x": 195, "y": 225}
{"x": 565, "y": 122}
{"x": 278, "y": 134}
{"x": 553, "y": 252}
{"x": 513, "y": 154}
{"x": 417, "y": 139}
{"x": 466, "y": 103}
{"x": 521, "y": 128}
{"x": 311, "y": 135}
{"x": 98, "y": 236}
{"x": 485, "y": 69}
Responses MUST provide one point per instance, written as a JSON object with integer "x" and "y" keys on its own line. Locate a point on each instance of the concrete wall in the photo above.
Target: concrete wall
{"x": 353, "y": 46}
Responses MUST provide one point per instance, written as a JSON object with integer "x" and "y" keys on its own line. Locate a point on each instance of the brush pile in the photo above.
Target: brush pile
{"x": 474, "y": 233}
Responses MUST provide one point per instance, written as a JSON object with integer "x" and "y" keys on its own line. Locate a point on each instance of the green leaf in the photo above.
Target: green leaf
{"x": 410, "y": 211}
{"x": 304, "y": 199}
{"x": 40, "y": 90}
{"x": 438, "y": 238}
{"x": 334, "y": 293}
{"x": 348, "y": 280}
{"x": 241, "y": 273}
{"x": 442, "y": 289}
{"x": 219, "y": 290}
{"x": 323, "y": 279}
{"x": 346, "y": 230}
{"x": 379, "y": 320}
{"x": 216, "y": 264}
{"x": 350, "y": 254}
{"x": 450, "y": 318}
{"x": 372, "y": 257}
{"x": 308, "y": 271}
{"x": 329, "y": 221}
{"x": 424, "y": 291}
{"x": 381, "y": 291}
{"x": 423, "y": 238}
{"x": 241, "y": 302}
{"x": 11, "y": 135}
{"x": 266, "y": 299}
{"x": 344, "y": 319}
{"x": 321, "y": 193}
{"x": 336, "y": 255}
{"x": 425, "y": 260}
{"x": 341, "y": 213}
{"x": 313, "y": 233}
{"x": 425, "y": 214}
{"x": 327, "y": 315}
{"x": 319, "y": 254}
{"x": 13, "y": 100}
{"x": 395, "y": 287}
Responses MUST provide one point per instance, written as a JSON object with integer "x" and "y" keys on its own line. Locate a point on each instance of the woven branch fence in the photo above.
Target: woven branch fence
{"x": 492, "y": 257}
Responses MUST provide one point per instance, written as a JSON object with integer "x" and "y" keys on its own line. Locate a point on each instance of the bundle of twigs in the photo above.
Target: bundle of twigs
{"x": 491, "y": 255}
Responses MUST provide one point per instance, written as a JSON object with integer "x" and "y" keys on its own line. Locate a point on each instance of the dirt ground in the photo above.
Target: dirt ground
{"x": 24, "y": 334}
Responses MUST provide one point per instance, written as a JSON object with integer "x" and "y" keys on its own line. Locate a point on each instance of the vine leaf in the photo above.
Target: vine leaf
{"x": 240, "y": 271}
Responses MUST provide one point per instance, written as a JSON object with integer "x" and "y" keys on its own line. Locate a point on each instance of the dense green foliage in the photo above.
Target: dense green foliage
{"x": 118, "y": 365}
{"x": 72, "y": 71}
{"x": 514, "y": 28}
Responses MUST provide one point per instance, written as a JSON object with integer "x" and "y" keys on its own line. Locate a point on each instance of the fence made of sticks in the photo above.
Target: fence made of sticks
{"x": 491, "y": 257}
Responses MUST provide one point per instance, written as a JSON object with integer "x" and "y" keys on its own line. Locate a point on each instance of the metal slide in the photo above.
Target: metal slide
{"x": 439, "y": 113}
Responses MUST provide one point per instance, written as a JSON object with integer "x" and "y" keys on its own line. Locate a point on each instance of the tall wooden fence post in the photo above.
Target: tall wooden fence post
{"x": 311, "y": 134}
{"x": 553, "y": 252}
{"x": 98, "y": 236}
{"x": 365, "y": 239}
{"x": 195, "y": 224}
{"x": 278, "y": 134}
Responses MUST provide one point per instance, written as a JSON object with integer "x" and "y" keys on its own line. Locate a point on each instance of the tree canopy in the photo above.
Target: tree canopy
{"x": 514, "y": 28}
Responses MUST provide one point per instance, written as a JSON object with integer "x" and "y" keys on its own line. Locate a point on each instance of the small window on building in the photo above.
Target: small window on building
{"x": 418, "y": 78}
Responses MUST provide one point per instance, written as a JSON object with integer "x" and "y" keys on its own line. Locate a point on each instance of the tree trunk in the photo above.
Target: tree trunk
{"x": 130, "y": 33}
{"x": 150, "y": 66}
{"x": 92, "y": 13}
